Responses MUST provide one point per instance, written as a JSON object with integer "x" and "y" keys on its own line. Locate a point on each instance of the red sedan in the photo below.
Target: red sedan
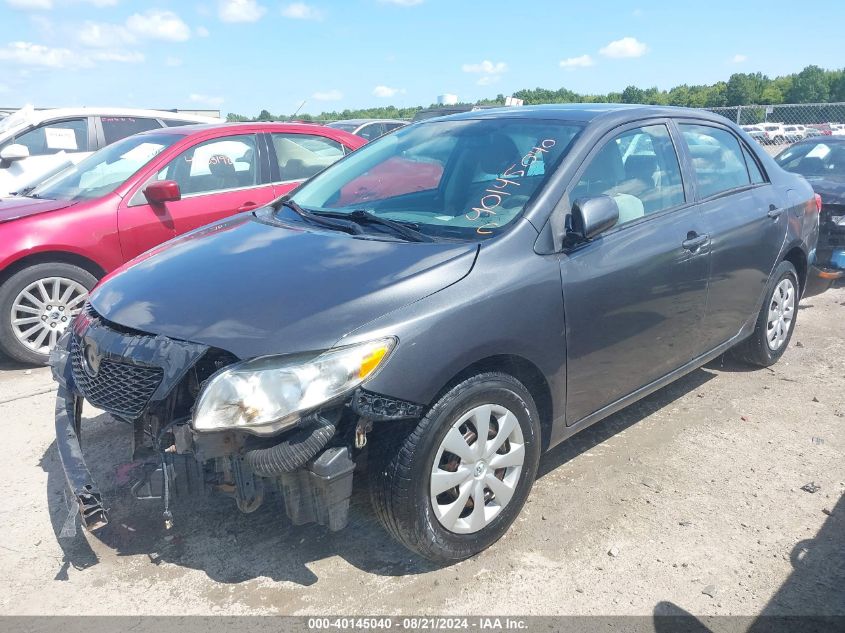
{"x": 128, "y": 197}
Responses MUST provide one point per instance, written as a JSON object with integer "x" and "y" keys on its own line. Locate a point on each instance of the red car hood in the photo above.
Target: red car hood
{"x": 14, "y": 208}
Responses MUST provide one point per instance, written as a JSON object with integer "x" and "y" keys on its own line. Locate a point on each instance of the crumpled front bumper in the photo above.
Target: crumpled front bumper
{"x": 83, "y": 490}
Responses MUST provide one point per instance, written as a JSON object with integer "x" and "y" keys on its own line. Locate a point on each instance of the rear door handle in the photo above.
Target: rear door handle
{"x": 774, "y": 212}
{"x": 694, "y": 241}
{"x": 247, "y": 206}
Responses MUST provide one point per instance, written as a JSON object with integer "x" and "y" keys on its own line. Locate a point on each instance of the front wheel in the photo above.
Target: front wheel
{"x": 37, "y": 304}
{"x": 453, "y": 485}
{"x": 775, "y": 322}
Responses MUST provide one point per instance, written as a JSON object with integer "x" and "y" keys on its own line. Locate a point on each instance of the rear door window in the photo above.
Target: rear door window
{"x": 118, "y": 127}
{"x": 70, "y": 136}
{"x": 717, "y": 159}
{"x": 300, "y": 156}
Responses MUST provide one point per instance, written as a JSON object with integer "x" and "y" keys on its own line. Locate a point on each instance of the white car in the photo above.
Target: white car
{"x": 369, "y": 129}
{"x": 35, "y": 144}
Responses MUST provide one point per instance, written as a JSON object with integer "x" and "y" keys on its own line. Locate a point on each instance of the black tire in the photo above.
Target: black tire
{"x": 755, "y": 350}
{"x": 401, "y": 463}
{"x": 11, "y": 288}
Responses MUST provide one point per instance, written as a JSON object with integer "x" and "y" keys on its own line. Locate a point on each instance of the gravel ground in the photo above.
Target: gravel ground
{"x": 691, "y": 499}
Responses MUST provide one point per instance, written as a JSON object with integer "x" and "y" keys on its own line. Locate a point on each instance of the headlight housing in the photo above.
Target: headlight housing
{"x": 268, "y": 394}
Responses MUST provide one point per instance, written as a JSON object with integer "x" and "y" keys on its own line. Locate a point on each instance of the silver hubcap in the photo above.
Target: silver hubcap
{"x": 477, "y": 468}
{"x": 781, "y": 313}
{"x": 44, "y": 309}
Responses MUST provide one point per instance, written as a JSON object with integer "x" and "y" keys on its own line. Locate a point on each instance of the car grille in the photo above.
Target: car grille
{"x": 122, "y": 389}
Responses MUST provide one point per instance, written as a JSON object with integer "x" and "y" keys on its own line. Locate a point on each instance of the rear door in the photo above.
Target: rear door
{"x": 218, "y": 177}
{"x": 634, "y": 297}
{"x": 745, "y": 219}
{"x": 296, "y": 157}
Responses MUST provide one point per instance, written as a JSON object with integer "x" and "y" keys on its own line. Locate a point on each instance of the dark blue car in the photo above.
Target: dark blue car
{"x": 439, "y": 308}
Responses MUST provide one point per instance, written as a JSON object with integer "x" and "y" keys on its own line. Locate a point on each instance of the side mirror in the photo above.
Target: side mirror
{"x": 592, "y": 216}
{"x": 13, "y": 152}
{"x": 163, "y": 191}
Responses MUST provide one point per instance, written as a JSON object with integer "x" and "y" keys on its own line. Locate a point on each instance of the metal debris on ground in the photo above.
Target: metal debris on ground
{"x": 811, "y": 487}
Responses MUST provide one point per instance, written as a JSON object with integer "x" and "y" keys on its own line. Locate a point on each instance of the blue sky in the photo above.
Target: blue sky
{"x": 244, "y": 55}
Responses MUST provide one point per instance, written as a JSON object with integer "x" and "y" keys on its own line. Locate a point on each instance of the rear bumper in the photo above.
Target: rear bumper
{"x": 84, "y": 492}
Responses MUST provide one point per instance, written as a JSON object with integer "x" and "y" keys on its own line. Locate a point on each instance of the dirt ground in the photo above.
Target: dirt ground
{"x": 691, "y": 499}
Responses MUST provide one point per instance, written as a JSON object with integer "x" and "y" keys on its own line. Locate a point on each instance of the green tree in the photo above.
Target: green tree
{"x": 810, "y": 86}
{"x": 632, "y": 94}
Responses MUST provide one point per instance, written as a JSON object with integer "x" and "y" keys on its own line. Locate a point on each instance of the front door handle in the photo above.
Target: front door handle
{"x": 247, "y": 206}
{"x": 774, "y": 212}
{"x": 695, "y": 241}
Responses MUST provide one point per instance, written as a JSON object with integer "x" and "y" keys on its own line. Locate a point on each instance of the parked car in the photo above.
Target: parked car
{"x": 821, "y": 161}
{"x": 449, "y": 335}
{"x": 791, "y": 133}
{"x": 755, "y": 132}
{"x": 36, "y": 143}
{"x": 773, "y": 133}
{"x": 369, "y": 129}
{"x": 74, "y": 228}
{"x": 430, "y": 113}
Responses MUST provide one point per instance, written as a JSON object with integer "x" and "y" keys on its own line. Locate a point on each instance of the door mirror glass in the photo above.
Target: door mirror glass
{"x": 163, "y": 191}
{"x": 592, "y": 216}
{"x": 14, "y": 152}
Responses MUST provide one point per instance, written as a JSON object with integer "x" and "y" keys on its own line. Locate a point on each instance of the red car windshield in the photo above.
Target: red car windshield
{"x": 105, "y": 170}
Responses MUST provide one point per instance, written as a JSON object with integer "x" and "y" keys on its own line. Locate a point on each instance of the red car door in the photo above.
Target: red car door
{"x": 217, "y": 178}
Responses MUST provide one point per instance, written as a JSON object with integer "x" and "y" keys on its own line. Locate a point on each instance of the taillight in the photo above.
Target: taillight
{"x": 818, "y": 203}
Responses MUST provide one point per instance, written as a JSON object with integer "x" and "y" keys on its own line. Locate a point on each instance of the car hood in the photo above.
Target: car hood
{"x": 254, "y": 288}
{"x": 830, "y": 188}
{"x": 16, "y": 208}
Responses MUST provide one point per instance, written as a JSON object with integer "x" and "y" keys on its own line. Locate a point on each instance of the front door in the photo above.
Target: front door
{"x": 217, "y": 178}
{"x": 634, "y": 297}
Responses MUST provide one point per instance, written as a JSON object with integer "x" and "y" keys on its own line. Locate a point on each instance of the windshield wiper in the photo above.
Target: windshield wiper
{"x": 313, "y": 218}
{"x": 361, "y": 216}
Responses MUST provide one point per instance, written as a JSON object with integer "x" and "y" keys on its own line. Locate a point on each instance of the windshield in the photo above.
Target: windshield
{"x": 104, "y": 171}
{"x": 814, "y": 159}
{"x": 466, "y": 179}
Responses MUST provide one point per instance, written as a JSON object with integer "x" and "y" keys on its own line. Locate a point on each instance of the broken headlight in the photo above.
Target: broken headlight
{"x": 268, "y": 394}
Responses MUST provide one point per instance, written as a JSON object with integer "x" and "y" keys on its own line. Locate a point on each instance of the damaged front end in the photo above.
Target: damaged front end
{"x": 182, "y": 444}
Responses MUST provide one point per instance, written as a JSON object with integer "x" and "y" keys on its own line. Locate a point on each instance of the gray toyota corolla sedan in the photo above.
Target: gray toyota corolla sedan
{"x": 438, "y": 309}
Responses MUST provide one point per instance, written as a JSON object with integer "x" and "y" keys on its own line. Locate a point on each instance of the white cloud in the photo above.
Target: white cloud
{"x": 582, "y": 61}
{"x": 486, "y": 67}
{"x": 102, "y": 35}
{"x": 626, "y": 47}
{"x": 201, "y": 31}
{"x": 385, "y": 92}
{"x": 29, "y": 54}
{"x": 240, "y": 10}
{"x": 302, "y": 11}
{"x": 102, "y": 3}
{"x": 206, "y": 99}
{"x": 328, "y": 95}
{"x": 739, "y": 58}
{"x": 160, "y": 25}
{"x": 402, "y": 3}
{"x": 31, "y": 5}
{"x": 173, "y": 61}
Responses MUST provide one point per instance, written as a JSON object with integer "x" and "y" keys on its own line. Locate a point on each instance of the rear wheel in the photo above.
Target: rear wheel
{"x": 37, "y": 305}
{"x": 776, "y": 320}
{"x": 453, "y": 485}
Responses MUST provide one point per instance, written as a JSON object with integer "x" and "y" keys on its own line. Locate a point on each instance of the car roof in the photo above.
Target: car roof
{"x": 585, "y": 112}
{"x": 52, "y": 113}
{"x": 362, "y": 121}
{"x": 251, "y": 126}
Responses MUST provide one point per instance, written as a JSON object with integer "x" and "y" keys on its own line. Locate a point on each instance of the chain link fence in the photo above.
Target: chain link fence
{"x": 777, "y": 126}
